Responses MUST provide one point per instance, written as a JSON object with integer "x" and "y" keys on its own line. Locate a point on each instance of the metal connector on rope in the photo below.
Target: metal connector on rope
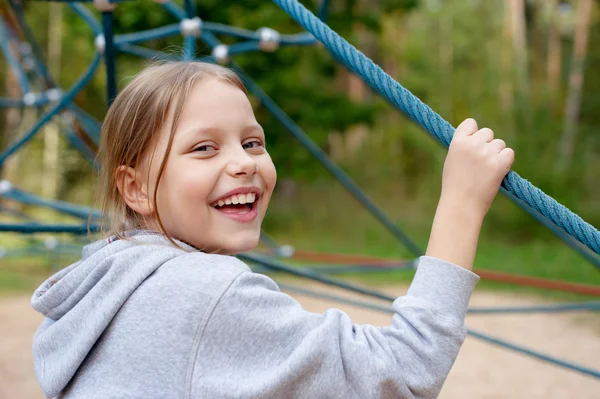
{"x": 269, "y": 39}
{"x": 100, "y": 43}
{"x": 191, "y": 27}
{"x": 221, "y": 54}
{"x": 5, "y": 186}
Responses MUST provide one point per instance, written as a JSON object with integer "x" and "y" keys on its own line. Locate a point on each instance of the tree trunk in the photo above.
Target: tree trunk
{"x": 50, "y": 175}
{"x": 567, "y": 143}
{"x": 506, "y": 83}
{"x": 519, "y": 39}
{"x": 554, "y": 62}
{"x": 446, "y": 50}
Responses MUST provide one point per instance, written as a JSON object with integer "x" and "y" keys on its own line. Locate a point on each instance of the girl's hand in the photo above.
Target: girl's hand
{"x": 475, "y": 166}
{"x": 473, "y": 171}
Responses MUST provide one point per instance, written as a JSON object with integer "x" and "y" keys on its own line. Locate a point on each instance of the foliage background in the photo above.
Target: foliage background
{"x": 463, "y": 58}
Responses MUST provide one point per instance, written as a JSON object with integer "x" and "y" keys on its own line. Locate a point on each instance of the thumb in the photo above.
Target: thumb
{"x": 506, "y": 158}
{"x": 466, "y": 128}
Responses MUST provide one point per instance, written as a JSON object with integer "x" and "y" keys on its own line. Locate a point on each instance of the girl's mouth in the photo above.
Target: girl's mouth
{"x": 239, "y": 207}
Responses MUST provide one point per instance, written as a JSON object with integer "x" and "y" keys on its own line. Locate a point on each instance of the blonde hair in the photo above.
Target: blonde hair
{"x": 132, "y": 125}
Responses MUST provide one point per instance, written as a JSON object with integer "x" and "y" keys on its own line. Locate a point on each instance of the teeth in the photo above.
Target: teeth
{"x": 237, "y": 199}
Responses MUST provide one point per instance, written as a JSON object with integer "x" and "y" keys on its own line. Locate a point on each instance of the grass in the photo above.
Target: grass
{"x": 19, "y": 276}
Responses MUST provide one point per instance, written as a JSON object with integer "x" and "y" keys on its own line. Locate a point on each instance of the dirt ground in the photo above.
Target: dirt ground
{"x": 481, "y": 370}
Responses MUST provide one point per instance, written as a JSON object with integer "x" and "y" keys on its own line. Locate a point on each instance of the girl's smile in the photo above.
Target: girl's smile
{"x": 239, "y": 204}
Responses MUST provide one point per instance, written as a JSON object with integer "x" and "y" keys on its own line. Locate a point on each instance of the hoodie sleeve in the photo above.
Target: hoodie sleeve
{"x": 259, "y": 342}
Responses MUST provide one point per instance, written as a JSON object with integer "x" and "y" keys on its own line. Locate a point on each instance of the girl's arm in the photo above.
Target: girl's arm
{"x": 261, "y": 343}
{"x": 474, "y": 168}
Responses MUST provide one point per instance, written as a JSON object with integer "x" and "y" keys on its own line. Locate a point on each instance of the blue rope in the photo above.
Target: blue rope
{"x": 348, "y": 269}
{"x": 174, "y": 10}
{"x": 243, "y": 47}
{"x": 39, "y": 251}
{"x": 313, "y": 275}
{"x": 109, "y": 57}
{"x": 11, "y": 58}
{"x": 537, "y": 355}
{"x": 11, "y": 102}
{"x": 425, "y": 117}
{"x": 190, "y": 8}
{"x": 558, "y": 232}
{"x": 64, "y": 101}
{"x": 80, "y": 145}
{"x": 47, "y": 228}
{"x": 226, "y": 30}
{"x": 146, "y": 52}
{"x": 88, "y": 17}
{"x": 559, "y": 308}
{"x": 272, "y": 265}
{"x": 20, "y": 103}
{"x": 189, "y": 42}
{"x": 150, "y": 34}
{"x": 269, "y": 241}
{"x": 29, "y": 36}
{"x": 89, "y": 123}
{"x": 78, "y": 211}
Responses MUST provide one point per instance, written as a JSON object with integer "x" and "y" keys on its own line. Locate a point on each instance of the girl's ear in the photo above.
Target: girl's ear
{"x": 133, "y": 190}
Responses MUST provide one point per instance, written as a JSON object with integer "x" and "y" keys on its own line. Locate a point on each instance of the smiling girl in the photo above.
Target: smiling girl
{"x": 162, "y": 308}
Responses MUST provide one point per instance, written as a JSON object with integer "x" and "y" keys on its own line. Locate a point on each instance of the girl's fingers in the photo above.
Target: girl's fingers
{"x": 484, "y": 135}
{"x": 466, "y": 128}
{"x": 507, "y": 157}
{"x": 498, "y": 144}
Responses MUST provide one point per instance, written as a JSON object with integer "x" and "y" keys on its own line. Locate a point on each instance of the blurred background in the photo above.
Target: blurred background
{"x": 528, "y": 69}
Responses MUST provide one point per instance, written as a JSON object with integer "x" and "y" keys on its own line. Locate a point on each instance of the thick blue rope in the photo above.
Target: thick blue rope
{"x": 433, "y": 123}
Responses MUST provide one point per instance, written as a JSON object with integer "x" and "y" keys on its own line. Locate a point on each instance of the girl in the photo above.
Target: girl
{"x": 161, "y": 308}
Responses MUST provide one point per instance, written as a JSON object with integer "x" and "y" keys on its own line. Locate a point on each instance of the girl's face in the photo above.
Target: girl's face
{"x": 219, "y": 178}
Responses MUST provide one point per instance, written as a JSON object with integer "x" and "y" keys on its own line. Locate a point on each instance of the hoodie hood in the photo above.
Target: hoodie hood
{"x": 80, "y": 301}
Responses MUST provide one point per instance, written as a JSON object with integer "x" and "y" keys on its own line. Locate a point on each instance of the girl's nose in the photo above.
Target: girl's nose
{"x": 242, "y": 164}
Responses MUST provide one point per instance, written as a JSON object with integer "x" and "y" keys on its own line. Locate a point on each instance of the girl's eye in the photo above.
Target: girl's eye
{"x": 252, "y": 144}
{"x": 206, "y": 147}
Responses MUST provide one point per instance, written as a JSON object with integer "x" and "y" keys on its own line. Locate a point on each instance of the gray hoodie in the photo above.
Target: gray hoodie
{"x": 143, "y": 319}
